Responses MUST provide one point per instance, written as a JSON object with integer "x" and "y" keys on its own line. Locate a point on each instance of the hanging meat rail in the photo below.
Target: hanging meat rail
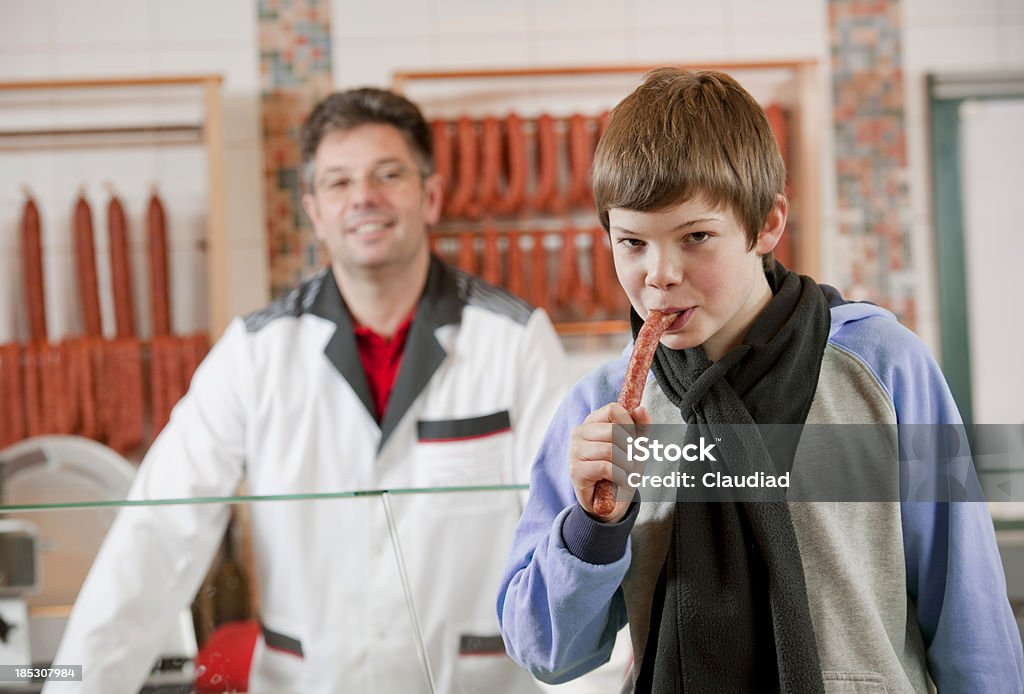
{"x": 520, "y": 187}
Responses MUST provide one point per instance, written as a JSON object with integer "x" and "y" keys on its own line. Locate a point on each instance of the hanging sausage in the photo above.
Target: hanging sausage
{"x": 12, "y": 416}
{"x": 465, "y": 188}
{"x": 515, "y": 264}
{"x": 120, "y": 268}
{"x": 491, "y": 267}
{"x": 581, "y": 155}
{"x": 443, "y": 155}
{"x": 85, "y": 264}
{"x": 490, "y": 168}
{"x": 32, "y": 269}
{"x": 516, "y": 172}
{"x": 156, "y": 235}
{"x": 539, "y": 273}
{"x": 546, "y": 195}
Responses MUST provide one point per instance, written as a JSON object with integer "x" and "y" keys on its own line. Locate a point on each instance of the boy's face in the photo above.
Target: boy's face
{"x": 692, "y": 259}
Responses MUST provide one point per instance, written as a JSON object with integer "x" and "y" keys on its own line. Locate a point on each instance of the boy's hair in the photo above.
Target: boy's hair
{"x": 685, "y": 134}
{"x": 355, "y": 107}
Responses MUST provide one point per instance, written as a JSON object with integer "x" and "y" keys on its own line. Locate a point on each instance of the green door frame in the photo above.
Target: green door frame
{"x": 947, "y": 213}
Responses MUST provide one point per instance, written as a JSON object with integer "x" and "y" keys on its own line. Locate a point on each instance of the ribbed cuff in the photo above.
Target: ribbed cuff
{"x": 593, "y": 541}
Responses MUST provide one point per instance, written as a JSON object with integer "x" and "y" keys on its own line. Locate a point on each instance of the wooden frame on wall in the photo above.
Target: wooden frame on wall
{"x": 209, "y": 132}
{"x": 806, "y": 166}
{"x": 806, "y": 123}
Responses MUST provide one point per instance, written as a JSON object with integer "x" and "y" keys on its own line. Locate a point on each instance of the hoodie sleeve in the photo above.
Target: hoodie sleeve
{"x": 954, "y": 572}
{"x": 560, "y": 604}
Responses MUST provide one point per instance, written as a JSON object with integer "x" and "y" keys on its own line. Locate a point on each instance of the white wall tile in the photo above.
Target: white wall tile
{"x": 954, "y": 46}
{"x": 244, "y": 192}
{"x": 238, "y": 65}
{"x": 797, "y": 41}
{"x": 1011, "y": 42}
{"x": 595, "y": 49}
{"x": 483, "y": 52}
{"x": 24, "y": 24}
{"x": 372, "y": 61}
{"x": 383, "y": 18}
{"x": 778, "y": 14}
{"x": 24, "y": 64}
{"x": 220, "y": 22}
{"x": 681, "y": 46}
{"x": 103, "y": 24}
{"x": 249, "y": 286}
{"x": 564, "y": 17}
{"x": 924, "y": 11}
{"x": 189, "y": 298}
{"x": 79, "y": 60}
{"x": 472, "y": 18}
{"x": 1010, "y": 8}
{"x": 682, "y": 15}
{"x": 12, "y": 301}
{"x": 63, "y": 303}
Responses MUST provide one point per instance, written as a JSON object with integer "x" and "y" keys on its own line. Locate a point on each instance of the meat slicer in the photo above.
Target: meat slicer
{"x": 47, "y": 548}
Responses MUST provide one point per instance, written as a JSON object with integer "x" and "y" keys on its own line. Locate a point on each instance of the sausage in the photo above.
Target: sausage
{"x": 780, "y": 128}
{"x": 515, "y": 264}
{"x": 194, "y": 349}
{"x": 490, "y": 170}
{"x": 443, "y": 154}
{"x": 633, "y": 390}
{"x": 462, "y": 195}
{"x": 602, "y": 123}
{"x": 583, "y": 290}
{"x": 581, "y": 155}
{"x": 78, "y": 353}
{"x": 491, "y": 269}
{"x": 156, "y": 235}
{"x": 54, "y": 396}
{"x": 568, "y": 273}
{"x": 34, "y": 425}
{"x": 467, "y": 252}
{"x": 85, "y": 262}
{"x": 127, "y": 363}
{"x": 173, "y": 361}
{"x": 516, "y": 172}
{"x": 161, "y": 349}
{"x": 32, "y": 270}
{"x": 12, "y": 416}
{"x": 603, "y": 272}
{"x": 539, "y": 273}
{"x": 120, "y": 269}
{"x": 545, "y": 195}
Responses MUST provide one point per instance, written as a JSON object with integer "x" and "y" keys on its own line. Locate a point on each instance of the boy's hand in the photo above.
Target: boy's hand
{"x": 597, "y": 451}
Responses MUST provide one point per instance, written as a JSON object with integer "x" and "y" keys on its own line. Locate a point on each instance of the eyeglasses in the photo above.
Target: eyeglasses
{"x": 384, "y": 178}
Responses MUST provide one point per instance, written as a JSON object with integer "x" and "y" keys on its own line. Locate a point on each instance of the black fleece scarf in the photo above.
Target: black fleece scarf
{"x": 730, "y": 612}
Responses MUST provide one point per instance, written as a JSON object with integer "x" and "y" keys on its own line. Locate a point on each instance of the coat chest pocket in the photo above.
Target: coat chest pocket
{"x": 853, "y": 683}
{"x": 465, "y": 452}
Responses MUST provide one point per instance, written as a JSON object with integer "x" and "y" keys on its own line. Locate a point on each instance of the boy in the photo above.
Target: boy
{"x": 748, "y": 596}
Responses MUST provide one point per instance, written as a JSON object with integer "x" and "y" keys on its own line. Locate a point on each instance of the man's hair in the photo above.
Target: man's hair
{"x": 686, "y": 134}
{"x": 355, "y": 107}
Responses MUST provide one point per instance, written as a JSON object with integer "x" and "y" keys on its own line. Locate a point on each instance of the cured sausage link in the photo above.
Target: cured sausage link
{"x": 32, "y": 267}
{"x": 633, "y": 390}
{"x": 156, "y": 233}
{"x": 120, "y": 269}
{"x": 85, "y": 260}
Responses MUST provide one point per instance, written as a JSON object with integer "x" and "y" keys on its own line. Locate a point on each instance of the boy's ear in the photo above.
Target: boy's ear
{"x": 774, "y": 225}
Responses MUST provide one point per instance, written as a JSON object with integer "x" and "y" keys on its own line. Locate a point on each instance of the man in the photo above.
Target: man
{"x": 386, "y": 370}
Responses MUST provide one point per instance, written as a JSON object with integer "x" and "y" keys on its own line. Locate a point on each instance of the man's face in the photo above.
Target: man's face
{"x": 370, "y": 205}
{"x": 692, "y": 259}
